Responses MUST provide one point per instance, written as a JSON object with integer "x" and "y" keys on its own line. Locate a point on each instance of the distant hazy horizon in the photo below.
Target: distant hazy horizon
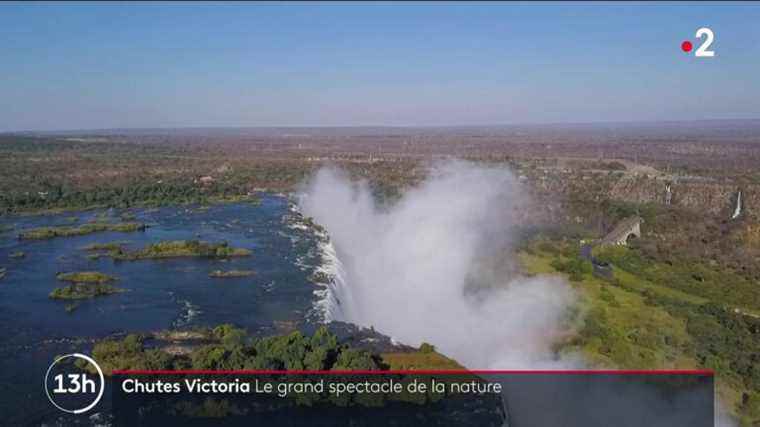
{"x": 95, "y": 66}
{"x": 708, "y": 123}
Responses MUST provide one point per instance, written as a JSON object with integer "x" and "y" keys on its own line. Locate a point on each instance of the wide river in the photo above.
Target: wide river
{"x": 162, "y": 294}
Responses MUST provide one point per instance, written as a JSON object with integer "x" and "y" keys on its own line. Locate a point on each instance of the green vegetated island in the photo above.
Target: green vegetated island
{"x": 66, "y": 231}
{"x": 100, "y": 250}
{"x": 90, "y": 284}
{"x": 84, "y": 285}
{"x": 85, "y": 277}
{"x": 171, "y": 249}
{"x": 110, "y": 246}
{"x": 221, "y": 274}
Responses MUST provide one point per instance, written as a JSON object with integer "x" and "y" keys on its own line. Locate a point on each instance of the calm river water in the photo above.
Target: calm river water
{"x": 170, "y": 293}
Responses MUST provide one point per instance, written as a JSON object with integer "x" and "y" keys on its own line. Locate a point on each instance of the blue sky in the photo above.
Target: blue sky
{"x": 114, "y": 65}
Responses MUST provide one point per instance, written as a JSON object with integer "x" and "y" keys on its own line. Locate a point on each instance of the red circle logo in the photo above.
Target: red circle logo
{"x": 686, "y": 46}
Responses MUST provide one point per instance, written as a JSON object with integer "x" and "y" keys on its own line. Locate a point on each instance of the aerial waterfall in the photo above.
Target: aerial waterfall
{"x": 336, "y": 295}
{"x": 738, "y": 209}
{"x": 429, "y": 268}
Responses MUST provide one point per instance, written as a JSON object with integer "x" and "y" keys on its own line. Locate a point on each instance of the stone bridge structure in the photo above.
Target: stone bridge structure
{"x": 625, "y": 230}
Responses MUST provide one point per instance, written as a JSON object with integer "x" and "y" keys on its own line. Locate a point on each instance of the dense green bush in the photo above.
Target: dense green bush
{"x": 427, "y": 348}
{"x": 576, "y": 268}
{"x": 233, "y": 349}
{"x": 721, "y": 285}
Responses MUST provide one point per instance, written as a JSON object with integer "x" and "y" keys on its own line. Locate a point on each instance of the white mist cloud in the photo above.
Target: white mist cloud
{"x": 434, "y": 266}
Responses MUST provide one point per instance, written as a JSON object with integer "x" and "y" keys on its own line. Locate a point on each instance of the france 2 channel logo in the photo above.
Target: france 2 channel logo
{"x": 706, "y": 35}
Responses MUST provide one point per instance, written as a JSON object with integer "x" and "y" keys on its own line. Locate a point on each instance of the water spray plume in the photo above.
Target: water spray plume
{"x": 436, "y": 267}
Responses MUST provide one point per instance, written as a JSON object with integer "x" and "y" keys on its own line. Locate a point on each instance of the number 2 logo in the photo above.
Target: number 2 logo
{"x": 702, "y": 50}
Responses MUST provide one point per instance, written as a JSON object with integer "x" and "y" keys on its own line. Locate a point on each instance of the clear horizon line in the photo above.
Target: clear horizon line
{"x": 383, "y": 126}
